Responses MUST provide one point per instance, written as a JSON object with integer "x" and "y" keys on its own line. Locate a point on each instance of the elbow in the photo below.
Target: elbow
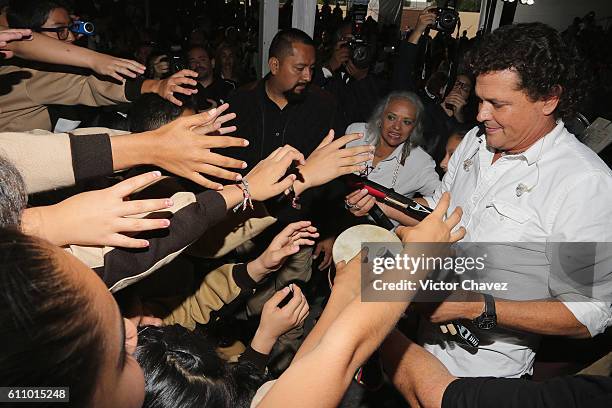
{"x": 580, "y": 331}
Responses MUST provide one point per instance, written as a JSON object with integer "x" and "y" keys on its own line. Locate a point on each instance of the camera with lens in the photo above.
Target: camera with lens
{"x": 361, "y": 52}
{"x": 447, "y": 17}
{"x": 83, "y": 27}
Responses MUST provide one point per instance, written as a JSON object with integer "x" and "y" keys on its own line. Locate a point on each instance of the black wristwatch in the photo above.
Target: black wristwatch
{"x": 488, "y": 319}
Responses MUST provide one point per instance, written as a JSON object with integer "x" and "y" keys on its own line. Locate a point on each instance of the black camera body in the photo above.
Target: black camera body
{"x": 361, "y": 53}
{"x": 447, "y": 17}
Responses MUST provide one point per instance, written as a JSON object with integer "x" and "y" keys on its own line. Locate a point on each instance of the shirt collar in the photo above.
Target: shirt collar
{"x": 396, "y": 154}
{"x": 534, "y": 153}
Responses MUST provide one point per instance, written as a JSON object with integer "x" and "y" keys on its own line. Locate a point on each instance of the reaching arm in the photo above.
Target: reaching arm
{"x": 49, "y": 50}
{"x": 319, "y": 376}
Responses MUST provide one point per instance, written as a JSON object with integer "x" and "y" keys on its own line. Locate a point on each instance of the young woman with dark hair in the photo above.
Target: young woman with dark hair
{"x": 61, "y": 327}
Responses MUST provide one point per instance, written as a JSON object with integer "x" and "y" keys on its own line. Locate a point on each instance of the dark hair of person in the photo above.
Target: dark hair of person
{"x": 49, "y": 336}
{"x": 282, "y": 43}
{"x": 150, "y": 111}
{"x": 545, "y": 65}
{"x": 13, "y": 196}
{"x": 183, "y": 370}
{"x": 31, "y": 13}
{"x": 199, "y": 47}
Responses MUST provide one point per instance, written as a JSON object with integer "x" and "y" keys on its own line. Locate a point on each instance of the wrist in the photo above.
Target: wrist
{"x": 256, "y": 270}
{"x": 38, "y": 221}
{"x": 150, "y": 86}
{"x": 262, "y": 341}
{"x": 301, "y": 184}
{"x": 232, "y": 194}
{"x": 135, "y": 149}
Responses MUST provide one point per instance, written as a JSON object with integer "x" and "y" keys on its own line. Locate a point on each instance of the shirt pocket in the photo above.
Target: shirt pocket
{"x": 506, "y": 221}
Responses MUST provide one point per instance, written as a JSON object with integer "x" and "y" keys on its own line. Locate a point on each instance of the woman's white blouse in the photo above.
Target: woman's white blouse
{"x": 418, "y": 174}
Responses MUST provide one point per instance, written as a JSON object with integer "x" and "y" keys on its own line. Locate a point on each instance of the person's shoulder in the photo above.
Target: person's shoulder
{"x": 577, "y": 158}
{"x": 420, "y": 154}
{"x": 320, "y": 96}
{"x": 245, "y": 93}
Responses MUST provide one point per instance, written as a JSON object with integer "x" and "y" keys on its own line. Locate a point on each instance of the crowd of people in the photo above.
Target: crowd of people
{"x": 168, "y": 219}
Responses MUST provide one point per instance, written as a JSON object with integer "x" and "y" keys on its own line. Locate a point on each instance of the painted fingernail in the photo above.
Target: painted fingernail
{"x": 157, "y": 173}
{"x": 286, "y": 289}
{"x": 238, "y": 177}
{"x": 145, "y": 244}
{"x": 165, "y": 223}
{"x": 169, "y": 203}
{"x": 244, "y": 165}
{"x": 246, "y": 142}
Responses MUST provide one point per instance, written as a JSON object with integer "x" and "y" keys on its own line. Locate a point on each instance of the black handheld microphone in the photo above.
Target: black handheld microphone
{"x": 380, "y": 218}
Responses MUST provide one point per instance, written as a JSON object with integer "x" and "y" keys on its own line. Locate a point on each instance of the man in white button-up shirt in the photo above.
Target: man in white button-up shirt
{"x": 524, "y": 178}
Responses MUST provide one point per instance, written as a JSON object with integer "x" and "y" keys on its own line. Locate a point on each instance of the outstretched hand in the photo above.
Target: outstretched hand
{"x": 285, "y": 244}
{"x": 330, "y": 160}
{"x": 101, "y": 217}
{"x": 118, "y": 68}
{"x": 266, "y": 178}
{"x": 435, "y": 228}
{"x": 183, "y": 147}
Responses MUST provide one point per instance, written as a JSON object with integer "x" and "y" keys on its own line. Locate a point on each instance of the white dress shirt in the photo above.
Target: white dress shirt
{"x": 418, "y": 174}
{"x": 557, "y": 191}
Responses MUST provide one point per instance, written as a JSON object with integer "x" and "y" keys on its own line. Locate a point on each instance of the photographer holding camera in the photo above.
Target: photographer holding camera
{"x": 346, "y": 74}
{"x": 443, "y": 113}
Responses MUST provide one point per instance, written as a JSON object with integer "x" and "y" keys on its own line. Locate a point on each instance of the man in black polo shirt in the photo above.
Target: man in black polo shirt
{"x": 284, "y": 108}
{"x": 212, "y": 91}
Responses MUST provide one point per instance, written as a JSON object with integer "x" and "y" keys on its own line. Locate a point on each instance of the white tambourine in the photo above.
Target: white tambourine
{"x": 348, "y": 244}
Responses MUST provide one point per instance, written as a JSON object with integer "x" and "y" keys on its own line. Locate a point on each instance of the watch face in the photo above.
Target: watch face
{"x": 486, "y": 322}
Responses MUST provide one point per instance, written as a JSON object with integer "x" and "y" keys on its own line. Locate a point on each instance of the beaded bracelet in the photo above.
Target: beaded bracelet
{"x": 294, "y": 199}
{"x": 246, "y": 194}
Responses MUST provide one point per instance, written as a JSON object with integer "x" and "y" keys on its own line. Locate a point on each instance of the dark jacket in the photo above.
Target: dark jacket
{"x": 309, "y": 121}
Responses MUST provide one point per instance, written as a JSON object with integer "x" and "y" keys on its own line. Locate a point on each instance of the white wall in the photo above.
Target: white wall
{"x": 561, "y": 13}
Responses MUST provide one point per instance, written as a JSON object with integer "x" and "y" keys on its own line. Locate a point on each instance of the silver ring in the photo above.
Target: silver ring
{"x": 349, "y": 205}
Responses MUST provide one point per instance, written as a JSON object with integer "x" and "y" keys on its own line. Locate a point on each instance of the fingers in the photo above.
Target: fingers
{"x": 327, "y": 139}
{"x": 440, "y": 210}
{"x": 205, "y": 117}
{"x": 144, "y": 206}
{"x": 454, "y": 218}
{"x": 359, "y": 152}
{"x": 292, "y": 228}
{"x": 342, "y": 141}
{"x": 132, "y": 65}
{"x": 225, "y": 118}
{"x": 219, "y": 142}
{"x": 7, "y": 36}
{"x": 282, "y": 185}
{"x": 457, "y": 235}
{"x": 216, "y": 159}
{"x": 127, "y": 187}
{"x": 122, "y": 241}
{"x": 278, "y": 296}
{"x": 203, "y": 181}
{"x": 187, "y": 73}
{"x": 296, "y": 301}
{"x": 140, "y": 224}
{"x": 327, "y": 260}
{"x": 317, "y": 251}
{"x": 219, "y": 172}
{"x": 292, "y": 152}
{"x": 355, "y": 196}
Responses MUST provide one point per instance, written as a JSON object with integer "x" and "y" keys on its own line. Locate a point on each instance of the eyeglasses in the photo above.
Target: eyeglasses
{"x": 62, "y": 32}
